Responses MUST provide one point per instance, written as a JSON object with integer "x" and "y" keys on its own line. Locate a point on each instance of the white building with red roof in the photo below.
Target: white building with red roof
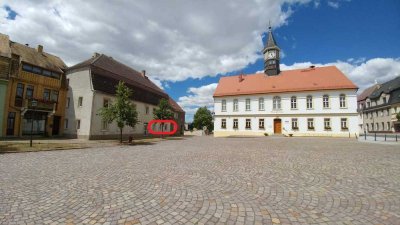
{"x": 315, "y": 101}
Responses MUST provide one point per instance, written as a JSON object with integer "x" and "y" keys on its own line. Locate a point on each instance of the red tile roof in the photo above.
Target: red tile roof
{"x": 310, "y": 79}
{"x": 367, "y": 92}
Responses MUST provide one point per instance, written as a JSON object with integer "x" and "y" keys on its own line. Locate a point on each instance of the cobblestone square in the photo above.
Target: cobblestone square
{"x": 205, "y": 180}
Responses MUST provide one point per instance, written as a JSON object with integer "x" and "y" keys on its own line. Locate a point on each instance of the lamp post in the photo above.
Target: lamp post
{"x": 33, "y": 104}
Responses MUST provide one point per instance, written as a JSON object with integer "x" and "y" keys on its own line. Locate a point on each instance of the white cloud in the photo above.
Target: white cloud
{"x": 333, "y": 4}
{"x": 361, "y": 71}
{"x": 171, "y": 40}
{"x": 197, "y": 97}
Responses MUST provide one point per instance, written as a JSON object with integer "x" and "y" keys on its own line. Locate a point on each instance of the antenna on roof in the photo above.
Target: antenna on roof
{"x": 269, "y": 25}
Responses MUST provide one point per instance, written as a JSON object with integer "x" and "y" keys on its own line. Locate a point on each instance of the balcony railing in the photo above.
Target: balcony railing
{"x": 41, "y": 104}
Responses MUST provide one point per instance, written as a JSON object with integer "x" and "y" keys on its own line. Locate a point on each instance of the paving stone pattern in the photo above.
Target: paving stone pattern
{"x": 205, "y": 180}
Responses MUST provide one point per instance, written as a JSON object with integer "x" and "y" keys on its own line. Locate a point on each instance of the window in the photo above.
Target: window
{"x": 342, "y": 100}
{"x": 368, "y": 104}
{"x": 67, "y": 104}
{"x": 78, "y": 124}
{"x": 383, "y": 126}
{"x": 104, "y": 125}
{"x": 276, "y": 103}
{"x": 295, "y": 125}
{"x": 19, "y": 95}
{"x": 388, "y": 126}
{"x": 10, "y": 123}
{"x": 261, "y": 104}
{"x": 377, "y": 126}
{"x": 37, "y": 70}
{"x": 327, "y": 124}
{"x": 235, "y": 123}
{"x": 46, "y": 94}
{"x": 325, "y": 101}
{"x": 235, "y": 105}
{"x": 366, "y": 115}
{"x": 147, "y": 110}
{"x": 248, "y": 123}
{"x": 382, "y": 112}
{"x": 66, "y": 123}
{"x": 27, "y": 68}
{"x": 223, "y": 123}
{"x": 309, "y": 102}
{"x": 47, "y": 73}
{"x": 387, "y": 112}
{"x": 384, "y": 100}
{"x": 310, "y": 123}
{"x": 248, "y": 104}
{"x": 80, "y": 100}
{"x": 106, "y": 102}
{"x": 223, "y": 108}
{"x": 343, "y": 123}
{"x": 367, "y": 127}
{"x": 376, "y": 113}
{"x": 54, "y": 96}
{"x": 261, "y": 123}
{"x": 372, "y": 126}
{"x": 293, "y": 102}
{"x": 29, "y": 92}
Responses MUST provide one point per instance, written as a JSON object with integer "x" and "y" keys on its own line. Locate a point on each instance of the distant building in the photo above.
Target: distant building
{"x": 30, "y": 74}
{"x": 92, "y": 86}
{"x": 379, "y": 106}
{"x": 361, "y": 98}
{"x": 315, "y": 101}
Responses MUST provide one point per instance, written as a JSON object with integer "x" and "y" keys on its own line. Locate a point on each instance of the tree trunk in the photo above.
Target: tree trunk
{"x": 120, "y": 135}
{"x": 162, "y": 130}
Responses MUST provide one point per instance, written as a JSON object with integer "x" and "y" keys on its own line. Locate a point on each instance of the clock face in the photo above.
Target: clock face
{"x": 271, "y": 54}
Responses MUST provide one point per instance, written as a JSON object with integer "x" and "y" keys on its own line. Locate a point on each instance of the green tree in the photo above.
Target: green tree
{"x": 163, "y": 112}
{"x": 123, "y": 111}
{"x": 398, "y": 116}
{"x": 203, "y": 117}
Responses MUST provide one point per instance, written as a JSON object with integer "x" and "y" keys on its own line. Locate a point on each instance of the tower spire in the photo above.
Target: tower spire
{"x": 271, "y": 54}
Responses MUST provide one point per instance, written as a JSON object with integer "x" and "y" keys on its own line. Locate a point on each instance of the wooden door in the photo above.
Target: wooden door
{"x": 277, "y": 126}
{"x": 56, "y": 125}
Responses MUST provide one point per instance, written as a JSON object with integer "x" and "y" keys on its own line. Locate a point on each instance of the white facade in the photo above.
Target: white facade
{"x": 343, "y": 121}
{"x": 83, "y": 121}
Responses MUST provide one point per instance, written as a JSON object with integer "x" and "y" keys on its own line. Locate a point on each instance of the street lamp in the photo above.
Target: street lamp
{"x": 33, "y": 104}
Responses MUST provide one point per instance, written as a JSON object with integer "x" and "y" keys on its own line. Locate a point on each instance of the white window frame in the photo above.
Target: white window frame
{"x": 261, "y": 123}
{"x": 295, "y": 124}
{"x": 310, "y": 121}
{"x": 223, "y": 123}
{"x": 248, "y": 124}
{"x": 235, "y": 124}
{"x": 342, "y": 101}
{"x": 325, "y": 101}
{"x": 248, "y": 104}
{"x": 309, "y": 102}
{"x": 276, "y": 103}
{"x": 327, "y": 123}
{"x": 223, "y": 105}
{"x": 235, "y": 105}
{"x": 293, "y": 102}
{"x": 344, "y": 124}
{"x": 261, "y": 105}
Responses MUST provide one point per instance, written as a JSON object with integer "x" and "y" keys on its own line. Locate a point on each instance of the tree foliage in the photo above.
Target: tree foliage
{"x": 122, "y": 110}
{"x": 203, "y": 117}
{"x": 398, "y": 116}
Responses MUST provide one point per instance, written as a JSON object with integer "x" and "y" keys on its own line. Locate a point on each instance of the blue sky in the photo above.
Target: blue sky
{"x": 186, "y": 46}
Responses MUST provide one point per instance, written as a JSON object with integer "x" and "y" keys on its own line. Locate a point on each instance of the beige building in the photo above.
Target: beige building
{"x": 379, "y": 109}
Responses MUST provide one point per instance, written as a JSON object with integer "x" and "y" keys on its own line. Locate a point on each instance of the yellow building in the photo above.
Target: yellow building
{"x": 32, "y": 76}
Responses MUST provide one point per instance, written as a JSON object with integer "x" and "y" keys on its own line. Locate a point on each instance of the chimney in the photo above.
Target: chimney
{"x": 241, "y": 78}
{"x": 96, "y": 54}
{"x": 143, "y": 73}
{"x": 40, "y": 48}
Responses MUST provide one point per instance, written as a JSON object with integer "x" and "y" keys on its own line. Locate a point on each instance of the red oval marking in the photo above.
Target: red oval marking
{"x": 151, "y": 131}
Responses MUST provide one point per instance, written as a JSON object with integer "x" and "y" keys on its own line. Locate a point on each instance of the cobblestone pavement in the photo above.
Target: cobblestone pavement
{"x": 205, "y": 180}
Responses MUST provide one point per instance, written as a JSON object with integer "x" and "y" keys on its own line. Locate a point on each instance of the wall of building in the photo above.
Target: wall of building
{"x": 318, "y": 112}
{"x": 3, "y": 108}
{"x": 80, "y": 85}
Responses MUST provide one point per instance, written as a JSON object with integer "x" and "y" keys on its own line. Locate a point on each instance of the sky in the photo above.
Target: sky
{"x": 186, "y": 46}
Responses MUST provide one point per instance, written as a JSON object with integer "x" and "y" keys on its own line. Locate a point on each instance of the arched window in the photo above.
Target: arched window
{"x": 325, "y": 101}
{"x": 293, "y": 102}
{"x": 261, "y": 104}
{"x": 235, "y": 105}
{"x": 342, "y": 100}
{"x": 276, "y": 103}
{"x": 309, "y": 102}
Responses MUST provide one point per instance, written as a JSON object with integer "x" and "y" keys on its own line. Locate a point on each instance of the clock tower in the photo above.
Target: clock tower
{"x": 271, "y": 56}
